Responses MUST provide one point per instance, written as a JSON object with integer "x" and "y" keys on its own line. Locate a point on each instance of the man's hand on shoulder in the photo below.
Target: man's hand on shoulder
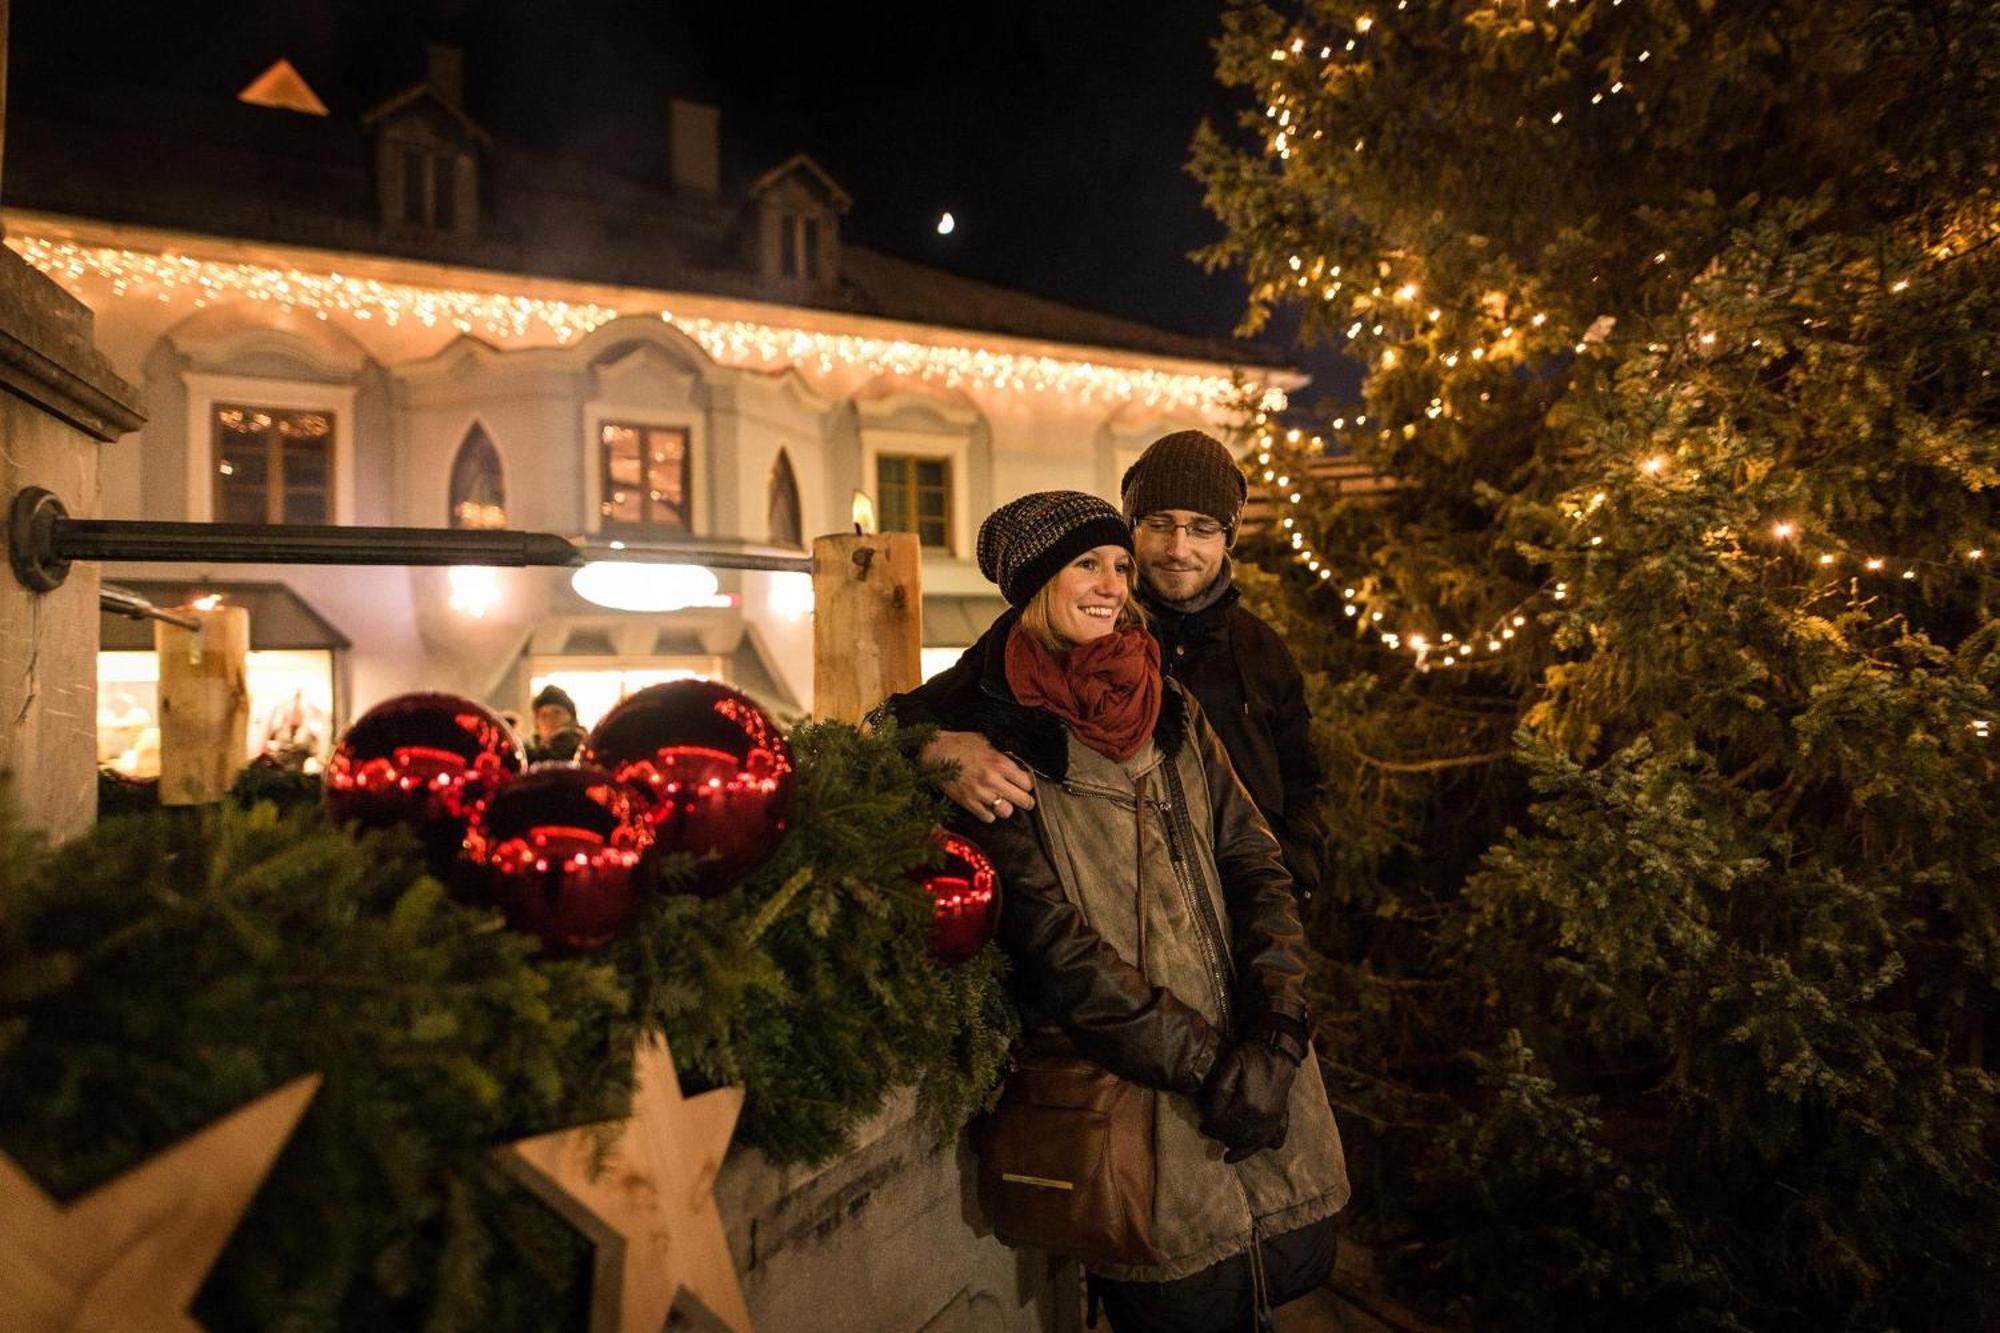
{"x": 987, "y": 783}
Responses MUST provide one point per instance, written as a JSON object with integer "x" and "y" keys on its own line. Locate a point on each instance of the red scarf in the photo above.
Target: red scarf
{"x": 1108, "y": 690}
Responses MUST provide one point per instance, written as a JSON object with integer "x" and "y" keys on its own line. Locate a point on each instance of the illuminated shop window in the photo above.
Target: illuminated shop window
{"x": 598, "y": 688}
{"x": 291, "y": 708}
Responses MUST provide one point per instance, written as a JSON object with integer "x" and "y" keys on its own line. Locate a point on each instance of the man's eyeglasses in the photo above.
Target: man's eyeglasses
{"x": 1200, "y": 529}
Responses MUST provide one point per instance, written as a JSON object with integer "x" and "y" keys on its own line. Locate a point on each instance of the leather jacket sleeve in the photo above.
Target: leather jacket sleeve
{"x": 1267, "y": 940}
{"x": 1063, "y": 970}
{"x": 938, "y": 698}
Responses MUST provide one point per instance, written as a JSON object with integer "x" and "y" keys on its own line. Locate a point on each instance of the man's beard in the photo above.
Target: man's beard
{"x": 1160, "y": 594}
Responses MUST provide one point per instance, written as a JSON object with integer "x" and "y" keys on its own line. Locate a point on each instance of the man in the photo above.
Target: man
{"x": 558, "y": 735}
{"x": 1184, "y": 499}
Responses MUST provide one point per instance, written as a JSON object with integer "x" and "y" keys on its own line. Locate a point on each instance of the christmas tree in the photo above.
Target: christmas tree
{"x": 1657, "y": 693}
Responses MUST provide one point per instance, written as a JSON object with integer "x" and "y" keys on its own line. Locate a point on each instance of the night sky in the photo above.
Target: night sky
{"x": 1056, "y": 133}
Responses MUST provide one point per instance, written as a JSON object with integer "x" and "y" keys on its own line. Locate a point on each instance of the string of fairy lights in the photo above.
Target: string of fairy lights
{"x": 330, "y": 295}
{"x": 1380, "y": 297}
{"x": 1290, "y": 118}
{"x": 1431, "y": 649}
{"x": 1369, "y": 610}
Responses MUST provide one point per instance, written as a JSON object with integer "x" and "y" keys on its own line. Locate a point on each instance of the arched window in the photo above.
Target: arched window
{"x": 786, "y": 527}
{"x": 478, "y": 495}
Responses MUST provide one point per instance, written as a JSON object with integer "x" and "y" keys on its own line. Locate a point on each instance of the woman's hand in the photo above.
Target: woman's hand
{"x": 987, "y": 783}
{"x": 1245, "y": 1100}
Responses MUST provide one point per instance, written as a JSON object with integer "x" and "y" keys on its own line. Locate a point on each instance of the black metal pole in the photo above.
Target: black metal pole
{"x": 305, "y": 544}
{"x": 43, "y": 539}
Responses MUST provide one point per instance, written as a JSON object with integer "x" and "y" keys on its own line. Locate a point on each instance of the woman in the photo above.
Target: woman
{"x": 1135, "y": 796}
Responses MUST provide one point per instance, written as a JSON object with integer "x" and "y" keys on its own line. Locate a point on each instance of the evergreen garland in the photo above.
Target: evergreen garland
{"x": 174, "y": 964}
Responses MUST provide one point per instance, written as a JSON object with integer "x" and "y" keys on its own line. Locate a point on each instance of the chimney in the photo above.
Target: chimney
{"x": 445, "y": 71}
{"x": 694, "y": 159}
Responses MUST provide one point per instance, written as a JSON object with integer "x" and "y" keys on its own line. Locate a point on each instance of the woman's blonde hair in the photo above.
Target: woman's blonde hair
{"x": 1035, "y": 615}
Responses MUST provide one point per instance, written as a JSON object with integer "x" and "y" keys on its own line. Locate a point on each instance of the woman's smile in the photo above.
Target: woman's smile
{"x": 1089, "y": 593}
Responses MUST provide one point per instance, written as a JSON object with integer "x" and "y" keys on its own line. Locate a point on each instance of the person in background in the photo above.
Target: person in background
{"x": 1184, "y": 498}
{"x": 1150, "y": 925}
{"x": 558, "y": 735}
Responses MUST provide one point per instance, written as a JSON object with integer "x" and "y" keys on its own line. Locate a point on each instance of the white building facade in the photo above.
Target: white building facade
{"x": 287, "y": 381}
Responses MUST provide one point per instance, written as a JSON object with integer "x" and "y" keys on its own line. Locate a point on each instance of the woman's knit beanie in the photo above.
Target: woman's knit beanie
{"x": 1186, "y": 470}
{"x": 1024, "y": 542}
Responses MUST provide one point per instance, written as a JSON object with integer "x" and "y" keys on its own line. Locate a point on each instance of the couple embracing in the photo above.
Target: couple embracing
{"x": 1131, "y": 748}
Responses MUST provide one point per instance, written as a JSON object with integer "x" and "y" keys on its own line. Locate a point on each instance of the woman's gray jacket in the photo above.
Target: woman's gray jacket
{"x": 1223, "y": 948}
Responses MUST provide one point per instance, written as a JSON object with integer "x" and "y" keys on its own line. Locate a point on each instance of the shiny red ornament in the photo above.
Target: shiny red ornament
{"x": 965, "y": 899}
{"x": 426, "y": 760}
{"x": 564, "y": 853}
{"x": 709, "y": 768}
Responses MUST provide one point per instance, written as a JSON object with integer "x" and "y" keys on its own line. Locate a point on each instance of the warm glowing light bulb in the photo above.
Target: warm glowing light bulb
{"x": 946, "y": 224}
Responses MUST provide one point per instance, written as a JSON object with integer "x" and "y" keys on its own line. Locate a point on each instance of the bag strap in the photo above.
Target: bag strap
{"x": 1139, "y": 861}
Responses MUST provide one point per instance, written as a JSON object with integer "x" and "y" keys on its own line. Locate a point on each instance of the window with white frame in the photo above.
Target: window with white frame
{"x": 920, "y": 479}
{"x": 288, "y": 448}
{"x": 646, "y": 476}
{"x": 272, "y": 465}
{"x": 913, "y": 494}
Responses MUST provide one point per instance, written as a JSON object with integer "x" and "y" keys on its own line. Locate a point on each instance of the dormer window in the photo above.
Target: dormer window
{"x": 797, "y": 231}
{"x": 430, "y": 188}
{"x": 798, "y": 241}
{"x": 426, "y": 152}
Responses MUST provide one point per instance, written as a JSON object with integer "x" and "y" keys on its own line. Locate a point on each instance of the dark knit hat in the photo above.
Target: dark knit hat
{"x": 555, "y": 694}
{"x": 1024, "y": 542}
{"x": 1186, "y": 470}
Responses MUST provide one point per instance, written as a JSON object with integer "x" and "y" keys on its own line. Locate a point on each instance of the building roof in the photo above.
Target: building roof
{"x": 212, "y": 165}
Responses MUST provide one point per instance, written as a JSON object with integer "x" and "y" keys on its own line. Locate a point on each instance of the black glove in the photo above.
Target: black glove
{"x": 1245, "y": 1098}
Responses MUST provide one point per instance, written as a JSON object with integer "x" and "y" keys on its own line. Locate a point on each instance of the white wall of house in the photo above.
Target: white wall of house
{"x": 405, "y": 396}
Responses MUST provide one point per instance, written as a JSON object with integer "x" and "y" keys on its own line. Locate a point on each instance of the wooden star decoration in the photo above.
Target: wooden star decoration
{"x": 648, "y": 1201}
{"x": 131, "y": 1255}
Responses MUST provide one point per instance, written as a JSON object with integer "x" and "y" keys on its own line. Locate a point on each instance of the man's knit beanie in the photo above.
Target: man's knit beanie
{"x": 1186, "y": 470}
{"x": 1024, "y": 542}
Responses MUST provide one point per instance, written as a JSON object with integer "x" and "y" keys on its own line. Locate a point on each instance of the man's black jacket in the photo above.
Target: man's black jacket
{"x": 1243, "y": 676}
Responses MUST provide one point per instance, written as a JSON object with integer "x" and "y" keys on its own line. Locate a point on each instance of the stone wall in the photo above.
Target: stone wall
{"x": 61, "y": 404}
{"x": 886, "y": 1239}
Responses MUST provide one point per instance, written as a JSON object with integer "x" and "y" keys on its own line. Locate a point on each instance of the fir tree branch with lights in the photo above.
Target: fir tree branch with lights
{"x": 1657, "y": 693}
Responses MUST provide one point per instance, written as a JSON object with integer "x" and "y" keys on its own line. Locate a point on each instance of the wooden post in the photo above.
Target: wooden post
{"x": 868, "y": 621}
{"x": 204, "y": 704}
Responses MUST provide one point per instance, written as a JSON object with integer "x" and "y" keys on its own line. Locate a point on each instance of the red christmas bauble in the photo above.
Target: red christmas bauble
{"x": 422, "y": 759}
{"x": 709, "y": 768}
{"x": 965, "y": 899}
{"x": 564, "y": 853}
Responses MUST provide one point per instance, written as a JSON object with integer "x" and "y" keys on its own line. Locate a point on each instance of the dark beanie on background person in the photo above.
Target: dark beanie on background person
{"x": 1186, "y": 470}
{"x": 555, "y": 694}
{"x": 1024, "y": 542}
